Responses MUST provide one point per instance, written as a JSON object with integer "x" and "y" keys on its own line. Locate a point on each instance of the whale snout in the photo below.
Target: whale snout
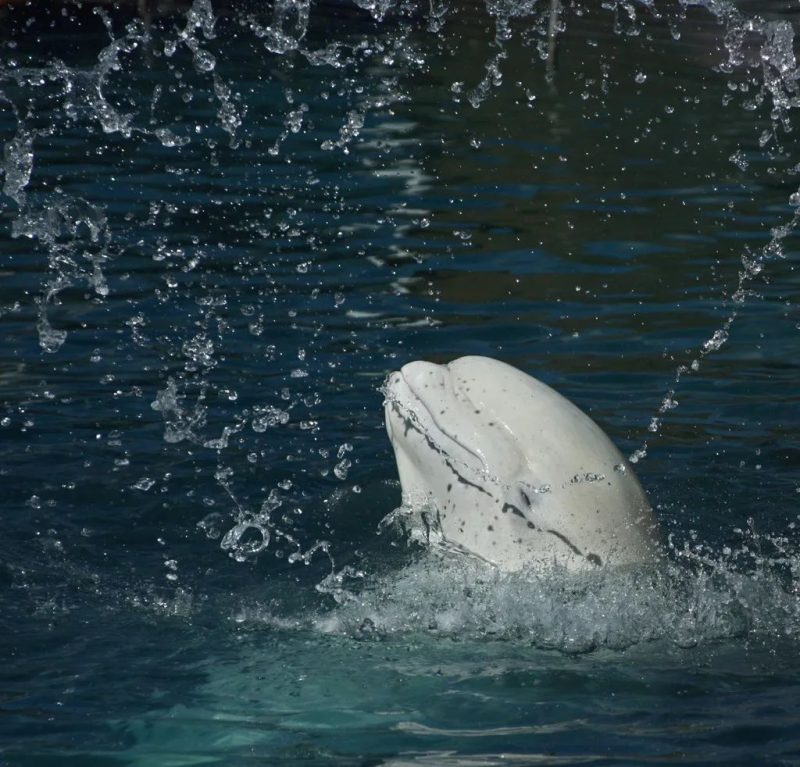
{"x": 392, "y": 381}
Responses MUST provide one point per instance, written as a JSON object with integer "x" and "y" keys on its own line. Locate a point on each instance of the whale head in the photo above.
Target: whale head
{"x": 514, "y": 472}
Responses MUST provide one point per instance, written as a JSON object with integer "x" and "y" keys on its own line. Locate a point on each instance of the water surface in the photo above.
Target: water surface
{"x": 219, "y": 233}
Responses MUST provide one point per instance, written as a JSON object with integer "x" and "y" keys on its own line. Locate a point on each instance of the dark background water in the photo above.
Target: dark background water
{"x": 216, "y": 239}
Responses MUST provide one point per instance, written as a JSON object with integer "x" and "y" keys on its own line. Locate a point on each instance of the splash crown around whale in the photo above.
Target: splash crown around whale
{"x": 512, "y": 471}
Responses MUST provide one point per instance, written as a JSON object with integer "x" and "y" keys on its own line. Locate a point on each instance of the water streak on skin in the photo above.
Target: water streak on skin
{"x": 408, "y": 423}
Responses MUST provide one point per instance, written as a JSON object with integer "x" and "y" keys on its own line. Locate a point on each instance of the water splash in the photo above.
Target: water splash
{"x": 199, "y": 17}
{"x": 696, "y": 597}
{"x": 18, "y": 163}
{"x": 288, "y": 28}
{"x": 369, "y": 69}
{"x": 77, "y": 237}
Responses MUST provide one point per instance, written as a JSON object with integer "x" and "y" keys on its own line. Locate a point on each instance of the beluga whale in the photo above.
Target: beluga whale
{"x": 511, "y": 471}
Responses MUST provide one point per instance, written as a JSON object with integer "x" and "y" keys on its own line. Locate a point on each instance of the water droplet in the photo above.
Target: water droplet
{"x": 204, "y": 61}
{"x": 638, "y": 454}
{"x": 210, "y": 525}
{"x": 246, "y": 539}
{"x": 341, "y": 468}
{"x": 50, "y": 340}
{"x": 716, "y": 341}
{"x": 739, "y": 159}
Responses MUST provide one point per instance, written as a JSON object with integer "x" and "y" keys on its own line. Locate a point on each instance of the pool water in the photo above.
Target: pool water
{"x": 221, "y": 229}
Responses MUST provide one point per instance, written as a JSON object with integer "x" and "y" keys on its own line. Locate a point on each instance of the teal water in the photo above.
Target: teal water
{"x": 219, "y": 233}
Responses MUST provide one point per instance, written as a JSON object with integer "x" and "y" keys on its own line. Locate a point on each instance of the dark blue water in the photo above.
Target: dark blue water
{"x": 219, "y": 231}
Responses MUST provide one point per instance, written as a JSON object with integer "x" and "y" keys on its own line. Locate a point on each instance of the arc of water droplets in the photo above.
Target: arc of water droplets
{"x": 752, "y": 267}
{"x": 780, "y": 75}
{"x": 780, "y": 81}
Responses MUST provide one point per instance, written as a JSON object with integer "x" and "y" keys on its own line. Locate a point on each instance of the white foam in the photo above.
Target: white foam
{"x": 686, "y": 600}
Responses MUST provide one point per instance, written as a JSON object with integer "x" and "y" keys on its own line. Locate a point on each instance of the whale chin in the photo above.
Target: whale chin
{"x": 513, "y": 472}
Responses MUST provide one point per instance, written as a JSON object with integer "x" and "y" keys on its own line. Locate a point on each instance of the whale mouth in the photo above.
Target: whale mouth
{"x": 414, "y": 413}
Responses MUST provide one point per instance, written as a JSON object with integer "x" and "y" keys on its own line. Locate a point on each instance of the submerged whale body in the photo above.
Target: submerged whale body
{"x": 514, "y": 472}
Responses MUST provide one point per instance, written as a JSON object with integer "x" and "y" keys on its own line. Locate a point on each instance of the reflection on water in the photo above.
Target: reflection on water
{"x": 221, "y": 228}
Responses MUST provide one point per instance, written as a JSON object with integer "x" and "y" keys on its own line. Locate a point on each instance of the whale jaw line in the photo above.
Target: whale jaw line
{"x": 409, "y": 407}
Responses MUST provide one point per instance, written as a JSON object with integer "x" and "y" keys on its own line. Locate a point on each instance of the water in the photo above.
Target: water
{"x": 220, "y": 232}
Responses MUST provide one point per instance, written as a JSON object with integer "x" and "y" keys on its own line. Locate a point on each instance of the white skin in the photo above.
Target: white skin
{"x": 514, "y": 472}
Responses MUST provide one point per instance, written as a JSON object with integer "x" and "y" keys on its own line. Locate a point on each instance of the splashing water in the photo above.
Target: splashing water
{"x": 571, "y": 614}
{"x": 694, "y": 596}
{"x": 298, "y": 256}
{"x": 222, "y": 224}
